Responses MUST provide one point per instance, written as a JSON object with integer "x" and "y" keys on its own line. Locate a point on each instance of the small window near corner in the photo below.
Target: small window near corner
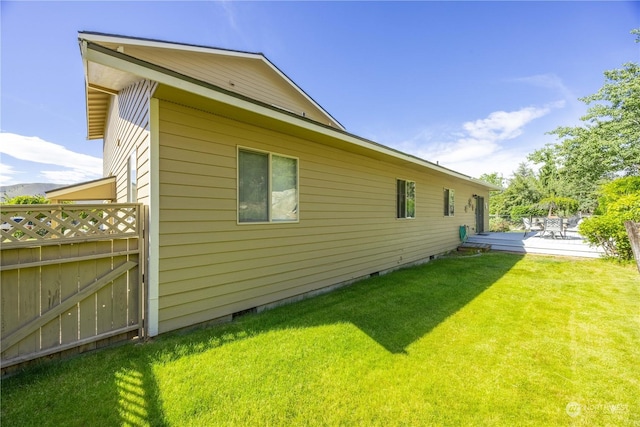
{"x": 132, "y": 178}
{"x": 449, "y": 202}
{"x": 405, "y": 199}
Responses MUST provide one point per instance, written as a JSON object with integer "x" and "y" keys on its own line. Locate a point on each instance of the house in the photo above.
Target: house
{"x": 255, "y": 193}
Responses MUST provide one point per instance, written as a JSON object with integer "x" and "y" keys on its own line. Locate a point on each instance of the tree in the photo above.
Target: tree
{"x": 522, "y": 193}
{"x": 607, "y": 143}
{"x": 27, "y": 200}
{"x": 549, "y": 182}
{"x": 496, "y": 201}
{"x": 494, "y": 178}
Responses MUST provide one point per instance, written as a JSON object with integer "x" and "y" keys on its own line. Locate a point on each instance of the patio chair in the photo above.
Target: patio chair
{"x": 530, "y": 224}
{"x": 553, "y": 226}
{"x": 572, "y": 226}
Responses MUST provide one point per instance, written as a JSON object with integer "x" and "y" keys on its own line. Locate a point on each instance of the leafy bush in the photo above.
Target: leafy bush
{"x": 526, "y": 211}
{"x": 608, "y": 230}
{"x": 563, "y": 206}
{"x": 499, "y": 225}
{"x": 27, "y": 200}
{"x": 611, "y": 192}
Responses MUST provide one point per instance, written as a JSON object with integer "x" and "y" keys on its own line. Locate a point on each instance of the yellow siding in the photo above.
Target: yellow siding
{"x": 128, "y": 129}
{"x": 250, "y": 77}
{"x": 211, "y": 266}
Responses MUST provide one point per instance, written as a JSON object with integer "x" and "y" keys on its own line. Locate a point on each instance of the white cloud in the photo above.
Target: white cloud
{"x": 230, "y": 13}
{"x": 484, "y": 145}
{"x": 75, "y": 167}
{"x": 7, "y": 173}
{"x": 502, "y": 125}
{"x": 549, "y": 81}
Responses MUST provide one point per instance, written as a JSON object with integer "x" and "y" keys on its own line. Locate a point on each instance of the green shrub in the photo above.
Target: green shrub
{"x": 499, "y": 225}
{"x": 608, "y": 230}
{"x": 611, "y": 192}
{"x": 563, "y": 206}
{"x": 526, "y": 211}
{"x": 27, "y": 200}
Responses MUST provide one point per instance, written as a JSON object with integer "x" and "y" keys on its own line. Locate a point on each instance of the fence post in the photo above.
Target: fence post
{"x": 633, "y": 230}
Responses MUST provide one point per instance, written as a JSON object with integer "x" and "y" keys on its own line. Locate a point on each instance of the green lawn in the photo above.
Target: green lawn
{"x": 497, "y": 339}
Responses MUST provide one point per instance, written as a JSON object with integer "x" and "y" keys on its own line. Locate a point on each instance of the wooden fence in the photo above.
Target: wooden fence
{"x": 71, "y": 278}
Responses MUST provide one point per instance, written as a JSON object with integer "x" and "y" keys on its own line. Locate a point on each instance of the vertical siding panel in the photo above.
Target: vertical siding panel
{"x": 87, "y": 271}
{"x": 69, "y": 285}
{"x": 50, "y": 296}
{"x": 104, "y": 297}
{"x": 120, "y": 294}
{"x": 29, "y": 298}
{"x": 133, "y": 292}
{"x": 10, "y": 297}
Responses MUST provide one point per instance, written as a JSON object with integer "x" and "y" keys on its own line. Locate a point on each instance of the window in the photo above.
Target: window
{"x": 267, "y": 187}
{"x": 405, "y": 199}
{"x": 132, "y": 178}
{"x": 449, "y": 204}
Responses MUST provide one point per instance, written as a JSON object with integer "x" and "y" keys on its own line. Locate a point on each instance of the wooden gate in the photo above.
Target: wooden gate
{"x": 71, "y": 278}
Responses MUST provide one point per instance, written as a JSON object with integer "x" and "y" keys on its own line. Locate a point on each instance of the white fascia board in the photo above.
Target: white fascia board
{"x": 85, "y": 66}
{"x": 180, "y": 83}
{"x": 105, "y": 38}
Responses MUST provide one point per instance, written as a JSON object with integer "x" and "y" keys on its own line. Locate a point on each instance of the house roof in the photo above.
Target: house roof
{"x": 108, "y": 69}
{"x": 244, "y": 73}
{"x": 99, "y": 189}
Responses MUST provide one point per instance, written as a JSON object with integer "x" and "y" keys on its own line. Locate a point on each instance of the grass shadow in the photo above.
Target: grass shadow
{"x": 394, "y": 310}
{"x": 117, "y": 387}
{"x": 139, "y": 402}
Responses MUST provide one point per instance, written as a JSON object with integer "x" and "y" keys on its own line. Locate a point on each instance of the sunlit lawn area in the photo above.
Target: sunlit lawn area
{"x": 497, "y": 339}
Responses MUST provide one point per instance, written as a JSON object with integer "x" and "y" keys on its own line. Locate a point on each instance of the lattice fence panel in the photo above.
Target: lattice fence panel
{"x": 39, "y": 224}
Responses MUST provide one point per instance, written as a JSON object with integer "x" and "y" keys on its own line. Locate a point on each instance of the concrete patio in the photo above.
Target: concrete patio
{"x": 571, "y": 245}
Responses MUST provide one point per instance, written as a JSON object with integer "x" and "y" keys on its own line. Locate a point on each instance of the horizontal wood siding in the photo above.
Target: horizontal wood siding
{"x": 211, "y": 266}
{"x": 128, "y": 129}
{"x": 246, "y": 76}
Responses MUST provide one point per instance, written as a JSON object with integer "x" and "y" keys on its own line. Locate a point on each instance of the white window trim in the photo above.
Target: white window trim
{"x": 132, "y": 177}
{"x": 415, "y": 213}
{"x": 270, "y": 189}
{"x": 452, "y": 195}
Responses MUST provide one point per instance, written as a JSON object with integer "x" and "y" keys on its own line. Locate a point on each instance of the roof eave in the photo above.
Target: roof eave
{"x": 170, "y": 78}
{"x": 93, "y": 37}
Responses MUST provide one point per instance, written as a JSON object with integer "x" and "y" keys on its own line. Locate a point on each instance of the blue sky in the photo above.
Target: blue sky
{"x": 472, "y": 85}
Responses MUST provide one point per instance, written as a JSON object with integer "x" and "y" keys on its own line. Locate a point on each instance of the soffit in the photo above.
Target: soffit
{"x": 102, "y": 83}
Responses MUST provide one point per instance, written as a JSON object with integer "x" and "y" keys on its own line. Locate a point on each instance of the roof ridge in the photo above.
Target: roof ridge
{"x": 169, "y": 42}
